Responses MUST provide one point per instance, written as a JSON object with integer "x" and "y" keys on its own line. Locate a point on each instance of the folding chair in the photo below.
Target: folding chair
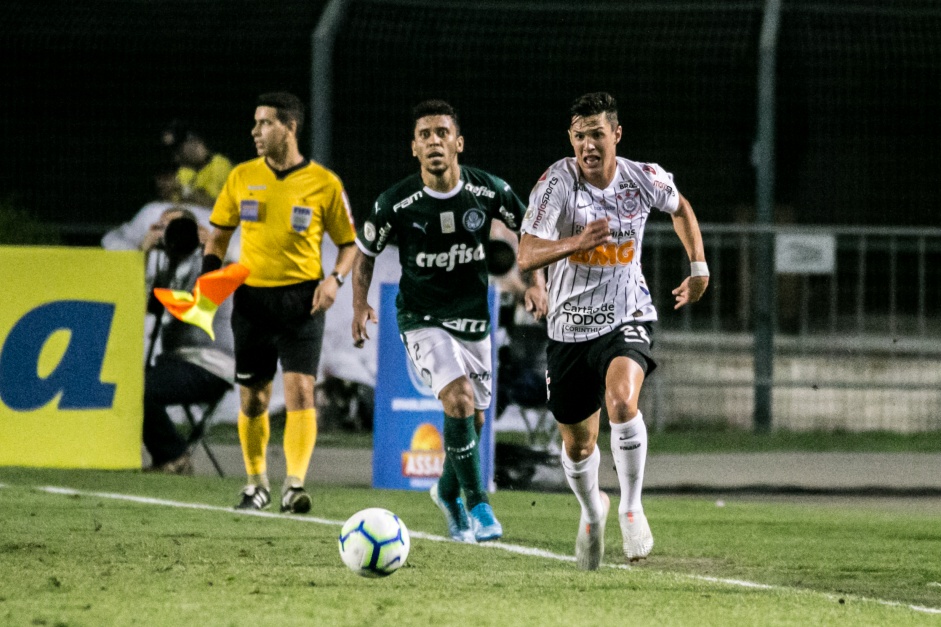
{"x": 199, "y": 427}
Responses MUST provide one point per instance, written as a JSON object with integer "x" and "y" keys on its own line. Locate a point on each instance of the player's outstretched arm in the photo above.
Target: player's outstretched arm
{"x": 687, "y": 229}
{"x": 536, "y": 252}
{"x": 363, "y": 266}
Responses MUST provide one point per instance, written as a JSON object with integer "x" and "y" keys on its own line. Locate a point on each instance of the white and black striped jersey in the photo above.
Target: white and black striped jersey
{"x": 592, "y": 293}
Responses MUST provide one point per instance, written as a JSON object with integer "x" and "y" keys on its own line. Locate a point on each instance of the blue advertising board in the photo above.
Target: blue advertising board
{"x": 408, "y": 423}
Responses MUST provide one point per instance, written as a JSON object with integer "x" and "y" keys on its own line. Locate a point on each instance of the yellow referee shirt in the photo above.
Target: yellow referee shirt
{"x": 210, "y": 178}
{"x": 283, "y": 218}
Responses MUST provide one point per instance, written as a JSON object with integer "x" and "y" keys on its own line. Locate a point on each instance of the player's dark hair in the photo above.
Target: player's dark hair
{"x": 595, "y": 103}
{"x": 289, "y": 107}
{"x": 435, "y": 107}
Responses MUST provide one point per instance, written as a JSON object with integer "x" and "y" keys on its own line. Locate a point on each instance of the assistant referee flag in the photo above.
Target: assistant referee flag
{"x": 199, "y": 308}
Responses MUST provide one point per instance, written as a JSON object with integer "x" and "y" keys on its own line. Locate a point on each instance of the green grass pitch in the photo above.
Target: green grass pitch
{"x": 125, "y": 548}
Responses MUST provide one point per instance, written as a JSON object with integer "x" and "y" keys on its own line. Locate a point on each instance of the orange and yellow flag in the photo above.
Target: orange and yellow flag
{"x": 199, "y": 308}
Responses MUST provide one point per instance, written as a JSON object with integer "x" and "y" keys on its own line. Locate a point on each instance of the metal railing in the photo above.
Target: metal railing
{"x": 855, "y": 347}
{"x": 884, "y": 283}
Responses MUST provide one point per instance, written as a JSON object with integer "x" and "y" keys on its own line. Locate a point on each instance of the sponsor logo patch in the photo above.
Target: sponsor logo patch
{"x": 447, "y": 222}
{"x": 606, "y": 255}
{"x": 508, "y": 218}
{"x": 457, "y": 255}
{"x": 591, "y": 316}
{"x": 249, "y": 210}
{"x": 544, "y": 201}
{"x": 383, "y": 235}
{"x": 300, "y": 218}
{"x": 468, "y": 325}
{"x": 480, "y": 190}
{"x": 407, "y": 201}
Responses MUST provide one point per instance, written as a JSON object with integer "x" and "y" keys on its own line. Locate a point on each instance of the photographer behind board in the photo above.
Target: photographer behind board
{"x": 190, "y": 368}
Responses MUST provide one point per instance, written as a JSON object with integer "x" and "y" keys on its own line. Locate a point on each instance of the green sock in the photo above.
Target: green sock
{"x": 463, "y": 454}
{"x": 449, "y": 488}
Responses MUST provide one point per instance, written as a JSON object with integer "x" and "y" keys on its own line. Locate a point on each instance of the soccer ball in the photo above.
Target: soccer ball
{"x": 374, "y": 542}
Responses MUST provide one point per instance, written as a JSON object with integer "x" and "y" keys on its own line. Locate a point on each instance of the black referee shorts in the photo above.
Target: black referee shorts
{"x": 272, "y": 324}
{"x": 576, "y": 371}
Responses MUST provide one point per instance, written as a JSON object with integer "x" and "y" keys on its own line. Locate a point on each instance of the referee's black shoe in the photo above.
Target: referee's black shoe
{"x": 254, "y": 497}
{"x": 295, "y": 501}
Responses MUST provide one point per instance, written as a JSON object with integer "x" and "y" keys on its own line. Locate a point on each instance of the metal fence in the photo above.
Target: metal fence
{"x": 857, "y": 328}
{"x": 770, "y": 111}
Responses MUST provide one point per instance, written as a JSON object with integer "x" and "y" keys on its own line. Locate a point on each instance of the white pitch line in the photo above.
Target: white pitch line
{"x": 146, "y": 500}
{"x": 740, "y": 583}
{"x": 511, "y": 548}
{"x": 201, "y": 506}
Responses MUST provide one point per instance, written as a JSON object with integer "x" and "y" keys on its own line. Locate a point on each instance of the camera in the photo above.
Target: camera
{"x": 180, "y": 237}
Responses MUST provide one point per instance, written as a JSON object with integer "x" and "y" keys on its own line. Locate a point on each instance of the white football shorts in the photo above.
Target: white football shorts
{"x": 440, "y": 358}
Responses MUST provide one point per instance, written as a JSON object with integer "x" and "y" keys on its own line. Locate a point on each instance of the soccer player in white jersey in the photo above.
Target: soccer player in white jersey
{"x": 585, "y": 221}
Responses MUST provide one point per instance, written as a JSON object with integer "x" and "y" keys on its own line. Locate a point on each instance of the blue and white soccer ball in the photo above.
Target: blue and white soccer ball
{"x": 374, "y": 542}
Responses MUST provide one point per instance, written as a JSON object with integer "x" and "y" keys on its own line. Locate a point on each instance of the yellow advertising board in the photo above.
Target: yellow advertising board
{"x": 71, "y": 357}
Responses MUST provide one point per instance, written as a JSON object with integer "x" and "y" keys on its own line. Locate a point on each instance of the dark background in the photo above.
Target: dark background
{"x": 88, "y": 86}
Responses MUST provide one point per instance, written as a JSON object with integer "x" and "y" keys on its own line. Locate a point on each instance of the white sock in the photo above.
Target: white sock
{"x": 261, "y": 480}
{"x": 629, "y": 448}
{"x": 583, "y": 479}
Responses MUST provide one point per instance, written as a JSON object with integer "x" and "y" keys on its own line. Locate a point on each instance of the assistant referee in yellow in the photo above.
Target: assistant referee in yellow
{"x": 284, "y": 204}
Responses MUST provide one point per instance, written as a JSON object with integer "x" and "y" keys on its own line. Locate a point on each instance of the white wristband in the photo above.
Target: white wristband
{"x": 698, "y": 268}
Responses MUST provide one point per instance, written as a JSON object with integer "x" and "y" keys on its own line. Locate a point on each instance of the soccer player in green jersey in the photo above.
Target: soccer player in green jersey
{"x": 441, "y": 218}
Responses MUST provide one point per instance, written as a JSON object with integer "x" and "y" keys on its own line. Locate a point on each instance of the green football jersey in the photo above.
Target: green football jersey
{"x": 442, "y": 240}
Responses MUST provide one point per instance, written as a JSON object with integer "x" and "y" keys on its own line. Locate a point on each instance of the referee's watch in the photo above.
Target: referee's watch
{"x": 339, "y": 277}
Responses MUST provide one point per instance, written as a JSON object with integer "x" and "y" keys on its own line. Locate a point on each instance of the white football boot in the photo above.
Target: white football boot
{"x": 589, "y": 543}
{"x": 638, "y": 541}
